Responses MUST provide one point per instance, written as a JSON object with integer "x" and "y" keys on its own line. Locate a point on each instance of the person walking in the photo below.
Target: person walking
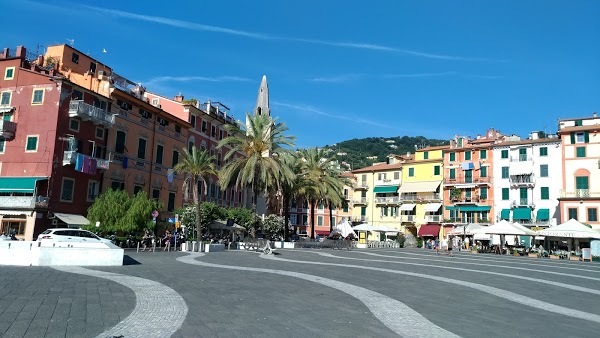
{"x": 436, "y": 245}
{"x": 146, "y": 240}
{"x": 445, "y": 245}
{"x": 450, "y": 244}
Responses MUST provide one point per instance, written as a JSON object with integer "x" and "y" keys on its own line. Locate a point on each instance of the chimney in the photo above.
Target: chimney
{"x": 595, "y": 114}
{"x": 21, "y": 52}
{"x": 178, "y": 98}
{"x": 40, "y": 60}
{"x": 5, "y": 53}
{"x": 534, "y": 135}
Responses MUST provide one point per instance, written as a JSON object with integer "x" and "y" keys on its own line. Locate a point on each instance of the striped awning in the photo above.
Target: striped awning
{"x": 426, "y": 186}
{"x": 407, "y": 207}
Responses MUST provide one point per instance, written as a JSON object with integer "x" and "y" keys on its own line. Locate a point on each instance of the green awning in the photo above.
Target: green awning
{"x": 474, "y": 208}
{"x": 450, "y": 207}
{"x": 505, "y": 214}
{"x": 522, "y": 214}
{"x": 382, "y": 189}
{"x": 543, "y": 214}
{"x": 19, "y": 184}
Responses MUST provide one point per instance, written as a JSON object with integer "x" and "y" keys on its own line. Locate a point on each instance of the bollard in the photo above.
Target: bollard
{"x": 138, "y": 247}
{"x": 153, "y": 246}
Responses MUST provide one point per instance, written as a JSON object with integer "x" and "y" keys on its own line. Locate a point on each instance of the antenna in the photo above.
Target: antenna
{"x": 71, "y": 41}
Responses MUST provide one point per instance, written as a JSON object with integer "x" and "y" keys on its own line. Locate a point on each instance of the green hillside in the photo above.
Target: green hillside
{"x": 359, "y": 153}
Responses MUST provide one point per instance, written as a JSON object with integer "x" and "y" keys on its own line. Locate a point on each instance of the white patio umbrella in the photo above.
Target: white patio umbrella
{"x": 363, "y": 227}
{"x": 344, "y": 229}
{"x": 570, "y": 229}
{"x": 504, "y": 227}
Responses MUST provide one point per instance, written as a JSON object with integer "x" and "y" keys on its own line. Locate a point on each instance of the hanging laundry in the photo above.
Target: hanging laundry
{"x": 79, "y": 162}
{"x": 170, "y": 174}
{"x": 93, "y": 166}
{"x": 86, "y": 165}
{"x": 125, "y": 160}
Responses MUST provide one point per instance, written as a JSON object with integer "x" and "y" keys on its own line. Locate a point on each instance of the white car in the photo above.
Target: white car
{"x": 70, "y": 235}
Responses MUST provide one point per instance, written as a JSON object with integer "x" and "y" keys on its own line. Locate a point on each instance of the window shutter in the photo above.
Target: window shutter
{"x": 586, "y": 137}
{"x": 572, "y": 138}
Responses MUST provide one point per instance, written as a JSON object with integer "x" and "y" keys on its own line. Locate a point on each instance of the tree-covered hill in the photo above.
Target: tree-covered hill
{"x": 359, "y": 153}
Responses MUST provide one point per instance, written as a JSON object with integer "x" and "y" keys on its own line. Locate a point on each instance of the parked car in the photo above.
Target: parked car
{"x": 70, "y": 235}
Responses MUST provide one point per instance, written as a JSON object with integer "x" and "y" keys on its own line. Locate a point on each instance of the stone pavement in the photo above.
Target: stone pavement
{"x": 316, "y": 293}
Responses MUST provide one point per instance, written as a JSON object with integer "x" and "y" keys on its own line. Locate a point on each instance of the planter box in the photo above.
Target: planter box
{"x": 574, "y": 258}
{"x": 532, "y": 255}
{"x": 554, "y": 257}
{"x": 474, "y": 252}
{"x": 214, "y": 247}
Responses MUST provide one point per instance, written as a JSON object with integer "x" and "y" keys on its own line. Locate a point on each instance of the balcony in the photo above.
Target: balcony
{"x": 23, "y": 202}
{"x": 407, "y": 218}
{"x": 421, "y": 197}
{"x": 362, "y": 218}
{"x": 70, "y": 157}
{"x": 7, "y": 129}
{"x": 387, "y": 200}
{"x": 521, "y": 158}
{"x": 361, "y": 186}
{"x": 466, "y": 199}
{"x": 579, "y": 193}
{"x": 362, "y": 200}
{"x": 467, "y": 182}
{"x": 522, "y": 202}
{"x": 87, "y": 112}
{"x": 522, "y": 180}
{"x": 388, "y": 181}
{"x": 433, "y": 218}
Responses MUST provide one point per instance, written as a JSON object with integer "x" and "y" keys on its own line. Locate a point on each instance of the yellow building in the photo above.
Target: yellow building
{"x": 419, "y": 194}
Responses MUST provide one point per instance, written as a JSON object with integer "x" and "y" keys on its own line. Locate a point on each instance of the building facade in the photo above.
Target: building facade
{"x": 527, "y": 180}
{"x": 580, "y": 194}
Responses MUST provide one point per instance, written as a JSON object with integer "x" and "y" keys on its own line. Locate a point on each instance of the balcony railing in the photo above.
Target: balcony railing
{"x": 520, "y": 158}
{"x": 7, "y": 129}
{"x": 387, "y": 200}
{"x": 360, "y": 219}
{"x": 19, "y": 202}
{"x": 362, "y": 200}
{"x": 522, "y": 202}
{"x": 467, "y": 180}
{"x": 70, "y": 157}
{"x": 361, "y": 185}
{"x": 579, "y": 193}
{"x": 521, "y": 179}
{"x": 407, "y": 218}
{"x": 87, "y": 112}
{"x": 433, "y": 218}
{"x": 466, "y": 220}
{"x": 421, "y": 197}
{"x": 466, "y": 199}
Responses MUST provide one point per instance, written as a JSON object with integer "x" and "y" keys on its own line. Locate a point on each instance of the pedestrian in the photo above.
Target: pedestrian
{"x": 450, "y": 244}
{"x": 445, "y": 245}
{"x": 467, "y": 243}
{"x": 436, "y": 244}
{"x": 146, "y": 240}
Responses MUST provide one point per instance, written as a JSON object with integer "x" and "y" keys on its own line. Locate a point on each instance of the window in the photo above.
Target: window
{"x": 73, "y": 125}
{"x": 452, "y": 157}
{"x": 505, "y": 194}
{"x": 572, "y": 213}
{"x": 504, "y": 154}
{"x": 145, "y": 114}
{"x": 76, "y": 95}
{"x": 384, "y": 211}
{"x": 483, "y": 193}
{"x": 32, "y": 144}
{"x": 467, "y": 155}
{"x": 543, "y": 151}
{"x": 204, "y": 126}
{"x": 425, "y": 155}
{"x": 504, "y": 172}
{"x": 592, "y": 215}
{"x": 396, "y": 175}
{"x": 578, "y": 123}
{"x": 304, "y": 219}
{"x": 545, "y": 193}
{"x": 100, "y": 133}
{"x": 67, "y": 188}
{"x": 9, "y": 73}
{"x": 120, "y": 142}
{"x": 92, "y": 67}
{"x": 582, "y": 183}
{"x": 137, "y": 188}
{"x": 543, "y": 170}
{"x": 220, "y": 134}
{"x": 411, "y": 172}
{"x": 483, "y": 154}
{"x": 452, "y": 173}
{"x": 583, "y": 137}
{"x": 319, "y": 220}
{"x": 155, "y": 102}
{"x": 159, "y": 154}
{"x": 92, "y": 191}
{"x": 171, "y": 203}
{"x": 117, "y": 185}
{"x": 345, "y": 207}
{"x": 175, "y": 159}
{"x": 178, "y": 129}
{"x": 436, "y": 170}
{"x": 75, "y": 58}
{"x": 190, "y": 146}
{"x": 6, "y": 96}
{"x": 293, "y": 219}
{"x": 381, "y": 176}
{"x": 141, "y": 154}
{"x": 2, "y": 145}
{"x": 213, "y": 131}
{"x": 155, "y": 194}
{"x": 38, "y": 96}
{"x": 483, "y": 172}
{"x": 193, "y": 120}
{"x": 580, "y": 152}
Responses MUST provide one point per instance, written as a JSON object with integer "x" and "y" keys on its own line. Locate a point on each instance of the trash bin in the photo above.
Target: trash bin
{"x": 188, "y": 246}
{"x": 194, "y": 246}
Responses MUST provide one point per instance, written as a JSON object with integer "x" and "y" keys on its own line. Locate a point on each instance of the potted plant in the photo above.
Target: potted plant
{"x": 574, "y": 257}
{"x": 455, "y": 194}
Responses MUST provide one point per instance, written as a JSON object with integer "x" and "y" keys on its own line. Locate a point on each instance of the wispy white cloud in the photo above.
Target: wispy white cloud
{"x": 353, "y": 77}
{"x": 161, "y": 79}
{"x": 393, "y": 76}
{"x": 261, "y": 36}
{"x": 337, "y": 78}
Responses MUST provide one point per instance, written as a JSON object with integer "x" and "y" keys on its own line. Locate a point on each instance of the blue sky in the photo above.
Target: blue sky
{"x": 339, "y": 70}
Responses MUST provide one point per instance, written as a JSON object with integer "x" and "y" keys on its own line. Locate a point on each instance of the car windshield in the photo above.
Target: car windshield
{"x": 46, "y": 232}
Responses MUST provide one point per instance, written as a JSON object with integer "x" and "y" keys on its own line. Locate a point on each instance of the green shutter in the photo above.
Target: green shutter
{"x": 545, "y": 193}
{"x": 586, "y": 137}
{"x": 452, "y": 157}
{"x": 504, "y": 154}
{"x": 572, "y": 138}
{"x": 483, "y": 192}
{"x": 436, "y": 170}
{"x": 483, "y": 172}
{"x": 505, "y": 194}
{"x": 452, "y": 173}
{"x": 425, "y": 155}
{"x": 580, "y": 151}
{"x": 581, "y": 182}
{"x": 468, "y": 155}
{"x": 411, "y": 172}
{"x": 483, "y": 154}
{"x": 31, "y": 143}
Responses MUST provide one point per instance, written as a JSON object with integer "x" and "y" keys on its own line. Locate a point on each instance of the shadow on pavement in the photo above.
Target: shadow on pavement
{"x": 130, "y": 261}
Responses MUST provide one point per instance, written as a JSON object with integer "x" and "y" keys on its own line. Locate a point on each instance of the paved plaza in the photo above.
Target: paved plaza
{"x": 305, "y": 293}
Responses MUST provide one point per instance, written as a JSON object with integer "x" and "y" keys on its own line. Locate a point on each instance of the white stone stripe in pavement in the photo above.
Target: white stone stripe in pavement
{"x": 394, "y": 314}
{"x": 508, "y": 295}
{"x": 159, "y": 310}
{"x": 492, "y": 258}
{"x": 452, "y": 261}
{"x": 537, "y": 280}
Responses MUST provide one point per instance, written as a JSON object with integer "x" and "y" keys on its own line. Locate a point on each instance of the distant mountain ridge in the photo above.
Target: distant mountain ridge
{"x": 360, "y": 153}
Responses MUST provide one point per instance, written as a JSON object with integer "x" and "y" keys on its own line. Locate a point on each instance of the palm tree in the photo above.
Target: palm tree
{"x": 254, "y": 156}
{"x": 320, "y": 181}
{"x": 290, "y": 188}
{"x": 197, "y": 165}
